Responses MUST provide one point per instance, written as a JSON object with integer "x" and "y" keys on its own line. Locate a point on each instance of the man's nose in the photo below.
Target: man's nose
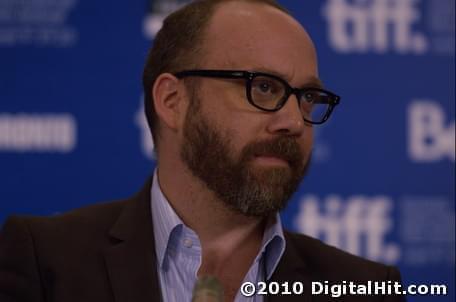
{"x": 288, "y": 120}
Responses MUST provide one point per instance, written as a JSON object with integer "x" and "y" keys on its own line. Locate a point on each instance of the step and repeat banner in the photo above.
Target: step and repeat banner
{"x": 381, "y": 185}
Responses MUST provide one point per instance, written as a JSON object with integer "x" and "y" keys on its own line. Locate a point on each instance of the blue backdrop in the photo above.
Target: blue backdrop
{"x": 72, "y": 131}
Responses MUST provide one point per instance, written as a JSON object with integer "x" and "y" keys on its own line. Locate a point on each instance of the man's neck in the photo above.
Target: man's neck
{"x": 230, "y": 241}
{"x": 221, "y": 230}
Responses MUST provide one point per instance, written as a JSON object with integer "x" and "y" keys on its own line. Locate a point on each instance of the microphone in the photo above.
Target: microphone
{"x": 207, "y": 289}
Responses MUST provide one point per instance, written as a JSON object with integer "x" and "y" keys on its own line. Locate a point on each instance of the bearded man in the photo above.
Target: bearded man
{"x": 232, "y": 96}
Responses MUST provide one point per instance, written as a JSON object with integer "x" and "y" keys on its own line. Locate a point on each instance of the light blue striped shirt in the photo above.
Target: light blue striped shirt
{"x": 178, "y": 251}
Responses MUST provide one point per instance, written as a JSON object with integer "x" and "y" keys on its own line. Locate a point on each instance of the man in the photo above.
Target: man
{"x": 232, "y": 94}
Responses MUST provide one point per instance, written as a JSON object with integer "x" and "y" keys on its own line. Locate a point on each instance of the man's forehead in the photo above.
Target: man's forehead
{"x": 255, "y": 36}
{"x": 255, "y": 16}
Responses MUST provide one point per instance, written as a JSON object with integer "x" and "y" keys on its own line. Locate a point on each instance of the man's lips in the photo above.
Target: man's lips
{"x": 267, "y": 159}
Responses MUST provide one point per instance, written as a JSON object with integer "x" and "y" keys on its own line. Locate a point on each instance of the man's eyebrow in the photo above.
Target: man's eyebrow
{"x": 313, "y": 82}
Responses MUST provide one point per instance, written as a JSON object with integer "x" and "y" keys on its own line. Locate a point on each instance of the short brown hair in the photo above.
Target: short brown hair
{"x": 177, "y": 46}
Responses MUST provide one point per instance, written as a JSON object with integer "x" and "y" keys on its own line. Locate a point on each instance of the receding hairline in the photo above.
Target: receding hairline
{"x": 199, "y": 52}
{"x": 211, "y": 31}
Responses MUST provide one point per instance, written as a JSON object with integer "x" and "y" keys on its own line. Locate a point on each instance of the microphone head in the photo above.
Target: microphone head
{"x": 207, "y": 289}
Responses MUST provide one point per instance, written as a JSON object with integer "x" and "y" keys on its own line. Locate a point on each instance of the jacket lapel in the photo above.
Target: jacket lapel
{"x": 291, "y": 269}
{"x": 130, "y": 260}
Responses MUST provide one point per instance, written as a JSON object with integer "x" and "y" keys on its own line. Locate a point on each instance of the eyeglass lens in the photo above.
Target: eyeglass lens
{"x": 268, "y": 93}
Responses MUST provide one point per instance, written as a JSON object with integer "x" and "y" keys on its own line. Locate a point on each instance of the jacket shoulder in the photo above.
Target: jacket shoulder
{"x": 92, "y": 215}
{"x": 84, "y": 227}
{"x": 37, "y": 250}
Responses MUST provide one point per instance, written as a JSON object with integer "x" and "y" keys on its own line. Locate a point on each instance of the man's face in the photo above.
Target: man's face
{"x": 244, "y": 187}
{"x": 253, "y": 160}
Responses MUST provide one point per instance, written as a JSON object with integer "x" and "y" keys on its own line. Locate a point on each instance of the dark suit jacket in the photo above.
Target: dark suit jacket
{"x": 106, "y": 253}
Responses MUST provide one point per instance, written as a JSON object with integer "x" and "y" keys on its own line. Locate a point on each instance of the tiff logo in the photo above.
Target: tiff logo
{"x": 361, "y": 26}
{"x": 358, "y": 225}
{"x": 430, "y": 139}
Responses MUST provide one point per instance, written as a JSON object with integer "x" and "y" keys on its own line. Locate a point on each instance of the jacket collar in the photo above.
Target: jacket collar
{"x": 291, "y": 268}
{"x": 131, "y": 260}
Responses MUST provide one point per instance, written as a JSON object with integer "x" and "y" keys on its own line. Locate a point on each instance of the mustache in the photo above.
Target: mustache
{"x": 286, "y": 148}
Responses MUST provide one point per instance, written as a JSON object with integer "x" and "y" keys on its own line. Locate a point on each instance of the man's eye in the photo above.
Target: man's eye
{"x": 310, "y": 97}
{"x": 265, "y": 87}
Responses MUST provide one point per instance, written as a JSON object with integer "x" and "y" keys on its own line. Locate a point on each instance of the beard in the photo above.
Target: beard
{"x": 242, "y": 187}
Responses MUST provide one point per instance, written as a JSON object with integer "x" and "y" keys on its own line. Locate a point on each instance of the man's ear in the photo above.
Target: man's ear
{"x": 168, "y": 100}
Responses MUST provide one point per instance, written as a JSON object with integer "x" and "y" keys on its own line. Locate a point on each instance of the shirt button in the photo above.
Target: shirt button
{"x": 188, "y": 243}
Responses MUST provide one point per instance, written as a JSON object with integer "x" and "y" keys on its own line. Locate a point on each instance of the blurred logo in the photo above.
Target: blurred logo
{"x": 146, "y": 141}
{"x": 37, "y": 23}
{"x": 362, "y": 26}
{"x": 426, "y": 230}
{"x": 358, "y": 224}
{"x": 24, "y": 132}
{"x": 430, "y": 138}
{"x": 158, "y": 11}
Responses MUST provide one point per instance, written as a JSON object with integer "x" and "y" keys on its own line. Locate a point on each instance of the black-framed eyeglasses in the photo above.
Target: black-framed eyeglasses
{"x": 270, "y": 93}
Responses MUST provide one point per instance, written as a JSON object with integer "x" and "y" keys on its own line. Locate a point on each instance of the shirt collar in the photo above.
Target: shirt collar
{"x": 166, "y": 223}
{"x": 165, "y": 220}
{"x": 273, "y": 244}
